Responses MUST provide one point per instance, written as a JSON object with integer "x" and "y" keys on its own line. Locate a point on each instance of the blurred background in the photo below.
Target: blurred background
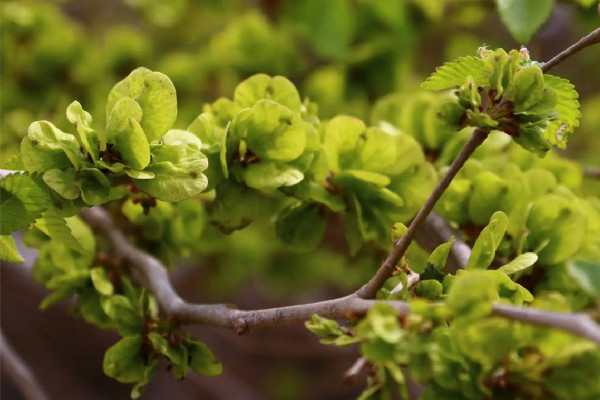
{"x": 342, "y": 54}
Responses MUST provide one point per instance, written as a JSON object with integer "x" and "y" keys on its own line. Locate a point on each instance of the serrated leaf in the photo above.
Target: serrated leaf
{"x": 487, "y": 242}
{"x": 455, "y": 73}
{"x": 155, "y": 94}
{"x": 567, "y": 107}
{"x": 22, "y": 200}
{"x": 519, "y": 264}
{"x": 8, "y": 250}
{"x": 524, "y": 17}
{"x": 58, "y": 230}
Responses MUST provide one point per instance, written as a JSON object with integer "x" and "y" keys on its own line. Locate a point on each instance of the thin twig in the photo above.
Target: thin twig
{"x": 591, "y": 172}
{"x": 586, "y": 41}
{"x": 369, "y": 290}
{"x": 19, "y": 372}
{"x": 220, "y": 315}
{"x": 351, "y": 376}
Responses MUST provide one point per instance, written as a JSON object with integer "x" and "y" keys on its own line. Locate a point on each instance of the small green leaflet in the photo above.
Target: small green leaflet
{"x": 124, "y": 360}
{"x": 488, "y": 241}
{"x": 455, "y": 73}
{"x": 438, "y": 257}
{"x": 524, "y": 17}
{"x": 520, "y": 263}
{"x": 8, "y": 250}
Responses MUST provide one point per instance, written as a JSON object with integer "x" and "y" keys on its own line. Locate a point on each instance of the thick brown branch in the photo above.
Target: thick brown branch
{"x": 19, "y": 372}
{"x": 224, "y": 316}
{"x": 219, "y": 315}
{"x": 369, "y": 290}
{"x": 586, "y": 41}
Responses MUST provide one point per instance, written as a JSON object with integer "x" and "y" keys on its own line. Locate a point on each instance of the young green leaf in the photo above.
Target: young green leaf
{"x": 24, "y": 199}
{"x": 261, "y": 86}
{"x": 272, "y": 131}
{"x": 125, "y": 133}
{"x": 101, "y": 282}
{"x": 524, "y": 17}
{"x": 46, "y": 147}
{"x": 202, "y": 360}
{"x": 8, "y": 250}
{"x": 519, "y": 264}
{"x": 271, "y": 175}
{"x": 155, "y": 94}
{"x": 124, "y": 360}
{"x": 455, "y": 73}
{"x": 87, "y": 137}
{"x": 438, "y": 257}
{"x": 567, "y": 107}
{"x": 301, "y": 227}
{"x": 487, "y": 242}
{"x": 471, "y": 294}
{"x": 149, "y": 372}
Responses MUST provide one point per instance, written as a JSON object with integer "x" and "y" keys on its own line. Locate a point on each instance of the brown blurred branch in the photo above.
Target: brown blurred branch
{"x": 591, "y": 172}
{"x": 351, "y": 376}
{"x": 224, "y": 316}
{"x": 586, "y": 41}
{"x": 579, "y": 324}
{"x": 19, "y": 372}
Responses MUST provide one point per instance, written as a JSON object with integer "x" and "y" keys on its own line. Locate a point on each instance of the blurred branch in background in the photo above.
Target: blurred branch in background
{"x": 591, "y": 172}
{"x": 19, "y": 372}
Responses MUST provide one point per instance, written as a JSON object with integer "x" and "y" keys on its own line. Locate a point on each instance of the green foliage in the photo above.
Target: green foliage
{"x": 488, "y": 242}
{"x": 524, "y": 18}
{"x": 8, "y": 250}
{"x": 270, "y": 154}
